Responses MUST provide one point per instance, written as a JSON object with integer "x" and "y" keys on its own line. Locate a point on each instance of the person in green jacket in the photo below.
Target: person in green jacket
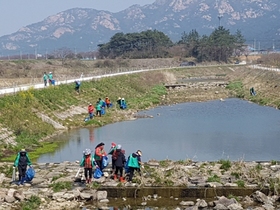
{"x": 98, "y": 109}
{"x": 134, "y": 163}
{"x": 88, "y": 162}
{"x": 45, "y": 78}
{"x": 22, "y": 161}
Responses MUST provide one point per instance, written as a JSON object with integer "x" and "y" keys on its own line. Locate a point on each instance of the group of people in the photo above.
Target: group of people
{"x": 120, "y": 165}
{"x": 48, "y": 78}
{"x": 99, "y": 108}
{"x": 119, "y": 162}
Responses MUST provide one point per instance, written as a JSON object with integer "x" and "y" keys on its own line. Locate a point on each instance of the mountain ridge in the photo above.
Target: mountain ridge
{"x": 83, "y": 29}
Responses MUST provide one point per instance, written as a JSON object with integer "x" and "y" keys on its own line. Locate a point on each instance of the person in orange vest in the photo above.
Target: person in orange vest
{"x": 99, "y": 154}
{"x": 108, "y": 102}
{"x": 90, "y": 110}
{"x": 88, "y": 163}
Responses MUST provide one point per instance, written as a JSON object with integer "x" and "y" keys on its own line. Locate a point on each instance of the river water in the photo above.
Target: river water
{"x": 232, "y": 129}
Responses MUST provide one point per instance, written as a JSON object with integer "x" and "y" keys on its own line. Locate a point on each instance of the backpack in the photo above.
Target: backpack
{"x": 115, "y": 155}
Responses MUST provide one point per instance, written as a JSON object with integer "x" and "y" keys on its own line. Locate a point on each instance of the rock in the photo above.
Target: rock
{"x": 201, "y": 203}
{"x": 100, "y": 195}
{"x": 187, "y": 203}
{"x": 85, "y": 196}
{"x": 9, "y": 199}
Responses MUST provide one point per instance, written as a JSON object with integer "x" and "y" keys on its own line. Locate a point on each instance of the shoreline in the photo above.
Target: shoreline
{"x": 183, "y": 183}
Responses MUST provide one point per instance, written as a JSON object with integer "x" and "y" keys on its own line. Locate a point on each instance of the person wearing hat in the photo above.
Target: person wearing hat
{"x": 120, "y": 161}
{"x": 123, "y": 104}
{"x": 22, "y": 161}
{"x": 90, "y": 110}
{"x": 119, "y": 101}
{"x": 88, "y": 163}
{"x": 99, "y": 154}
{"x": 50, "y": 78}
{"x": 134, "y": 163}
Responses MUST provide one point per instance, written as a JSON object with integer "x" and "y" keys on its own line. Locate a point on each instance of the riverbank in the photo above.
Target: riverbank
{"x": 180, "y": 184}
{"x": 56, "y": 109}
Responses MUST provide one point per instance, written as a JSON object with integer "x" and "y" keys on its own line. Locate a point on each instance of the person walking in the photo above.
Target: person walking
{"x": 120, "y": 161}
{"x": 88, "y": 163}
{"x": 134, "y": 163}
{"x": 99, "y": 154}
{"x": 21, "y": 162}
{"x": 90, "y": 111}
{"x": 45, "y": 78}
{"x": 98, "y": 109}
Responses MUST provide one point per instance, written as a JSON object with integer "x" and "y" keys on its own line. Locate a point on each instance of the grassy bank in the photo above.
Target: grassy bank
{"x": 21, "y": 112}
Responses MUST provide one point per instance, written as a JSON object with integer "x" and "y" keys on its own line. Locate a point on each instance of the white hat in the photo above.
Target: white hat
{"x": 119, "y": 146}
{"x": 87, "y": 152}
{"x": 122, "y": 98}
{"x": 50, "y": 72}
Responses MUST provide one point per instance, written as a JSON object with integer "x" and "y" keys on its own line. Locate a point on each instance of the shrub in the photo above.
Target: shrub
{"x": 32, "y": 203}
{"x": 226, "y": 164}
{"x": 214, "y": 178}
{"x": 240, "y": 183}
{"x": 61, "y": 186}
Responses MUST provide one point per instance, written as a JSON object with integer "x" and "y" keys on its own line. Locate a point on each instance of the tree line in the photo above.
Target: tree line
{"x": 219, "y": 46}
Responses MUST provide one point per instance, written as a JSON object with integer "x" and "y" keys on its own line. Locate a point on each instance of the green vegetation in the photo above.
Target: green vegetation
{"x": 240, "y": 183}
{"x": 273, "y": 162}
{"x": 21, "y": 112}
{"x": 219, "y": 46}
{"x": 31, "y": 204}
{"x": 214, "y": 178}
{"x": 164, "y": 163}
{"x": 226, "y": 164}
{"x": 58, "y": 186}
{"x": 259, "y": 167}
{"x": 237, "y": 88}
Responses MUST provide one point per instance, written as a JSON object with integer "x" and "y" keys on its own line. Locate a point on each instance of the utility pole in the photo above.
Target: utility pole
{"x": 273, "y": 46}
{"x": 220, "y": 17}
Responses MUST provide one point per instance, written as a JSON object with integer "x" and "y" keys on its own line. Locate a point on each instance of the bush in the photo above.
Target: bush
{"x": 226, "y": 164}
{"x": 32, "y": 203}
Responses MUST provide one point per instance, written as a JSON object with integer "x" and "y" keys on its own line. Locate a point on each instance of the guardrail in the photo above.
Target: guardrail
{"x": 264, "y": 68}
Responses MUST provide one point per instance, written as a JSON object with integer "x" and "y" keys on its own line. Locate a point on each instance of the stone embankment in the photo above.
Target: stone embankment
{"x": 188, "y": 184}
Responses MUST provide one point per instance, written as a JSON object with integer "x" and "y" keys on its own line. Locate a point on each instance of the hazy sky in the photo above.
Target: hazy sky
{"x": 15, "y": 14}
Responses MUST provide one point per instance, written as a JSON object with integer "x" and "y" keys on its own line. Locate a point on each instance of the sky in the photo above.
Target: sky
{"x": 15, "y": 14}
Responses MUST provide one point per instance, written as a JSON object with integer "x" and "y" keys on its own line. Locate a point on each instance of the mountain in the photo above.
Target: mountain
{"x": 83, "y": 29}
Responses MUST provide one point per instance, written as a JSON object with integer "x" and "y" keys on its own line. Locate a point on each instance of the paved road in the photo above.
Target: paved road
{"x": 38, "y": 86}
{"x": 41, "y": 85}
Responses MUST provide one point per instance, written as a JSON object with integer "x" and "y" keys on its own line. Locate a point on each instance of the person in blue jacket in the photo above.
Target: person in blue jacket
{"x": 22, "y": 161}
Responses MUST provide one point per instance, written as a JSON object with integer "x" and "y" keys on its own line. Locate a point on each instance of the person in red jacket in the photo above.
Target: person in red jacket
{"x": 90, "y": 111}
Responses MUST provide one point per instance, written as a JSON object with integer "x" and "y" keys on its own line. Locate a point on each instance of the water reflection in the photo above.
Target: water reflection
{"x": 233, "y": 129}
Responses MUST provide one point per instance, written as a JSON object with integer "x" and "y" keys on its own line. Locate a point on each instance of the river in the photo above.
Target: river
{"x": 232, "y": 129}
